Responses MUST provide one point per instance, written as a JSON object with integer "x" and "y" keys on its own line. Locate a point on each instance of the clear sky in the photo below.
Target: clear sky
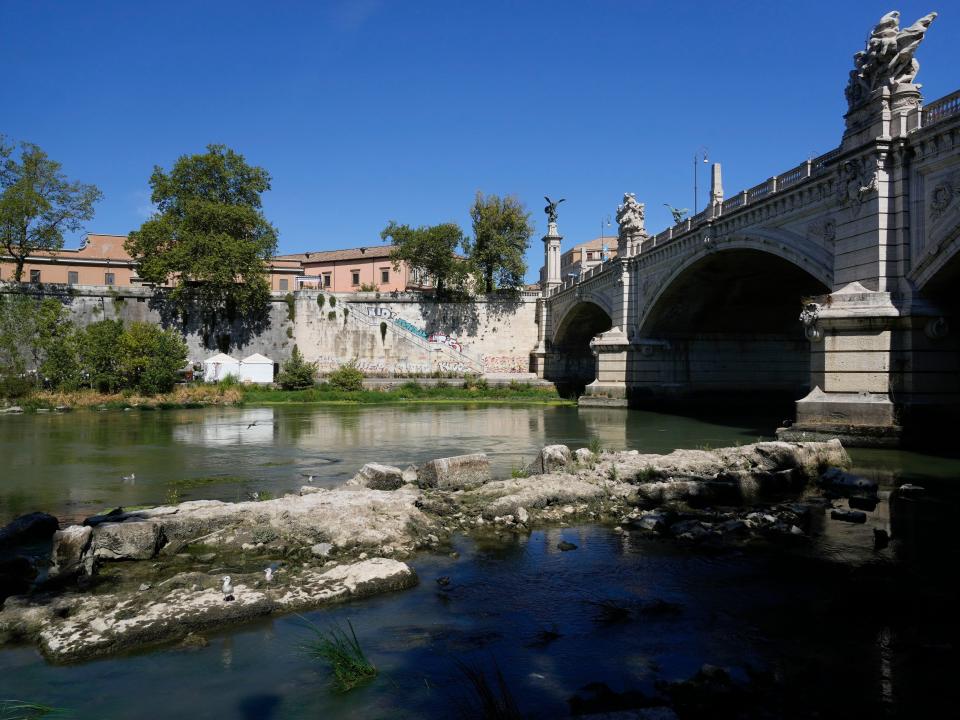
{"x": 365, "y": 111}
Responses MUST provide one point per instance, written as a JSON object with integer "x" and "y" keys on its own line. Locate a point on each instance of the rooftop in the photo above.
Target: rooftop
{"x": 374, "y": 251}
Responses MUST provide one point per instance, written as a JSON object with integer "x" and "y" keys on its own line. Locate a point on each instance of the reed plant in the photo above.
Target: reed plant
{"x": 342, "y": 652}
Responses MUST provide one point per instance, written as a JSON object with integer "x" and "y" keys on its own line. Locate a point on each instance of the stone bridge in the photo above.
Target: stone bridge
{"x": 836, "y": 283}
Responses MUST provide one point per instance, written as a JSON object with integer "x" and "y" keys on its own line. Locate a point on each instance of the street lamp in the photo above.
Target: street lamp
{"x": 604, "y": 222}
{"x": 698, "y": 156}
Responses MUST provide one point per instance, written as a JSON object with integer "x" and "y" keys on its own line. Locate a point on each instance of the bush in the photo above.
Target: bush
{"x": 333, "y": 301}
{"x": 347, "y": 377}
{"x": 151, "y": 358}
{"x": 100, "y": 355}
{"x": 297, "y": 373}
{"x": 14, "y": 385}
{"x": 332, "y": 315}
{"x": 320, "y": 301}
{"x": 291, "y": 302}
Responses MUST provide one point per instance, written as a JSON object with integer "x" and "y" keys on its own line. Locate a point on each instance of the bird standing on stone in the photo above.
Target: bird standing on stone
{"x": 268, "y": 574}
{"x": 227, "y": 589}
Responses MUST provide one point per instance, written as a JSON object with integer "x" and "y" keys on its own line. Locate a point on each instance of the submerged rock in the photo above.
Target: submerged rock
{"x": 850, "y": 516}
{"x": 834, "y": 477}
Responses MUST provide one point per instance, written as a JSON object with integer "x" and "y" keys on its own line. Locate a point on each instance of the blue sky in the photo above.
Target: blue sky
{"x": 365, "y": 111}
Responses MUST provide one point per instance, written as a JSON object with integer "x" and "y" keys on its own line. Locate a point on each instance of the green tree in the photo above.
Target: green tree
{"x": 100, "y": 355}
{"x": 431, "y": 249}
{"x": 56, "y": 350}
{"x": 501, "y": 230}
{"x": 38, "y": 204}
{"x": 297, "y": 373}
{"x": 151, "y": 358}
{"x": 209, "y": 235}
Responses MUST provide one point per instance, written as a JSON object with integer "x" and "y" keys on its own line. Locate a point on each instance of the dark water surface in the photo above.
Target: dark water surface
{"x": 830, "y": 627}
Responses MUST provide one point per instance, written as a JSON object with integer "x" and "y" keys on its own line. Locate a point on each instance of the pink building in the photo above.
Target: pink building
{"x": 349, "y": 270}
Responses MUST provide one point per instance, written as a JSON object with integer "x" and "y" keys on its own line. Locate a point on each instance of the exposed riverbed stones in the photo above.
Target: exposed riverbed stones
{"x": 84, "y": 626}
{"x": 335, "y": 527}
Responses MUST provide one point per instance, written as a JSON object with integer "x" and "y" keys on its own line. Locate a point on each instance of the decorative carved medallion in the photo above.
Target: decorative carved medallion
{"x": 941, "y": 197}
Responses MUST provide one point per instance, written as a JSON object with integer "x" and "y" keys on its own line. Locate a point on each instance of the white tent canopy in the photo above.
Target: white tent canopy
{"x": 220, "y": 366}
{"x": 256, "y": 368}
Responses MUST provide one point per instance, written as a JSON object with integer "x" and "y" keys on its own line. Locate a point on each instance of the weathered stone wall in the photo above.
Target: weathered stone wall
{"x": 404, "y": 335}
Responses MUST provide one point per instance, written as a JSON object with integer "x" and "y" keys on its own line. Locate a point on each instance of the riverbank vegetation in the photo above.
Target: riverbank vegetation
{"x": 233, "y": 393}
{"x": 41, "y": 348}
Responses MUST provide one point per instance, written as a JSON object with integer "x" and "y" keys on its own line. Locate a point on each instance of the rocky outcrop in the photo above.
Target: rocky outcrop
{"x": 648, "y": 493}
{"x": 85, "y": 626}
{"x": 455, "y": 473}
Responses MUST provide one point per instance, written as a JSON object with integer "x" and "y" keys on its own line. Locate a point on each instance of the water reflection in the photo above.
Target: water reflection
{"x": 253, "y": 426}
{"x": 74, "y": 463}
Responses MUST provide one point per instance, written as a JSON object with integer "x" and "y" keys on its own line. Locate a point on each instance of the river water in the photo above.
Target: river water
{"x": 835, "y": 626}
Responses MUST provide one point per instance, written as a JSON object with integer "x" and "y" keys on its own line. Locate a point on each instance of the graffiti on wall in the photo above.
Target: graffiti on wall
{"x": 383, "y": 313}
{"x": 506, "y": 363}
{"x": 448, "y": 340}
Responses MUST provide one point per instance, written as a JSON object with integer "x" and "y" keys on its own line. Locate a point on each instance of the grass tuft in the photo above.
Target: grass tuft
{"x": 488, "y": 701}
{"x": 342, "y": 652}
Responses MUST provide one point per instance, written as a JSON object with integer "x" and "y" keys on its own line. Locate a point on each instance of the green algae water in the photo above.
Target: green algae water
{"x": 833, "y": 627}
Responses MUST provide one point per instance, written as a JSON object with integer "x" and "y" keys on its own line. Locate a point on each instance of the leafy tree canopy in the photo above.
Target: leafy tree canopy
{"x": 501, "y": 230}
{"x": 209, "y": 235}
{"x": 38, "y": 204}
{"x": 432, "y": 250}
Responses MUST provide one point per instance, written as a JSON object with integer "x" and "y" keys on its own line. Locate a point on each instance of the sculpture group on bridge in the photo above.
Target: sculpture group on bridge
{"x": 888, "y": 58}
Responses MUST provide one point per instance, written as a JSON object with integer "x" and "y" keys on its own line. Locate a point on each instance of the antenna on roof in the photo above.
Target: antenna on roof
{"x": 363, "y": 250}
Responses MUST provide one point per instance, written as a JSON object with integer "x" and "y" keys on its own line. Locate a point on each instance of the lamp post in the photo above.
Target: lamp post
{"x": 698, "y": 157}
{"x": 604, "y": 223}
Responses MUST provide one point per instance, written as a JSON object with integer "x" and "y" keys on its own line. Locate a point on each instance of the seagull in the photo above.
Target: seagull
{"x": 132, "y": 477}
{"x": 268, "y": 574}
{"x": 251, "y": 424}
{"x": 308, "y": 477}
{"x": 227, "y": 589}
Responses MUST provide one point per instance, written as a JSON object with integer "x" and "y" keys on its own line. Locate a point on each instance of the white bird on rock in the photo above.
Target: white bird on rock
{"x": 227, "y": 589}
{"x": 268, "y": 574}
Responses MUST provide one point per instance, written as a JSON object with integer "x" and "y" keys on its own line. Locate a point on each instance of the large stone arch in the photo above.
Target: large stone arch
{"x": 570, "y": 358}
{"x": 726, "y": 319}
{"x": 812, "y": 258}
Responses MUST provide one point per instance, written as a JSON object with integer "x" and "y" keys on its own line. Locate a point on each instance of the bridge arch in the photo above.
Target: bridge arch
{"x": 809, "y": 257}
{"x": 571, "y": 360}
{"x": 729, "y": 316}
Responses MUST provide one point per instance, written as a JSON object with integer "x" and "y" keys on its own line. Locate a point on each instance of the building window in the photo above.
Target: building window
{"x": 34, "y": 276}
{"x": 72, "y": 277}
{"x": 355, "y": 274}
{"x": 384, "y": 275}
{"x": 109, "y": 279}
{"x": 284, "y": 284}
{"x": 326, "y": 280}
